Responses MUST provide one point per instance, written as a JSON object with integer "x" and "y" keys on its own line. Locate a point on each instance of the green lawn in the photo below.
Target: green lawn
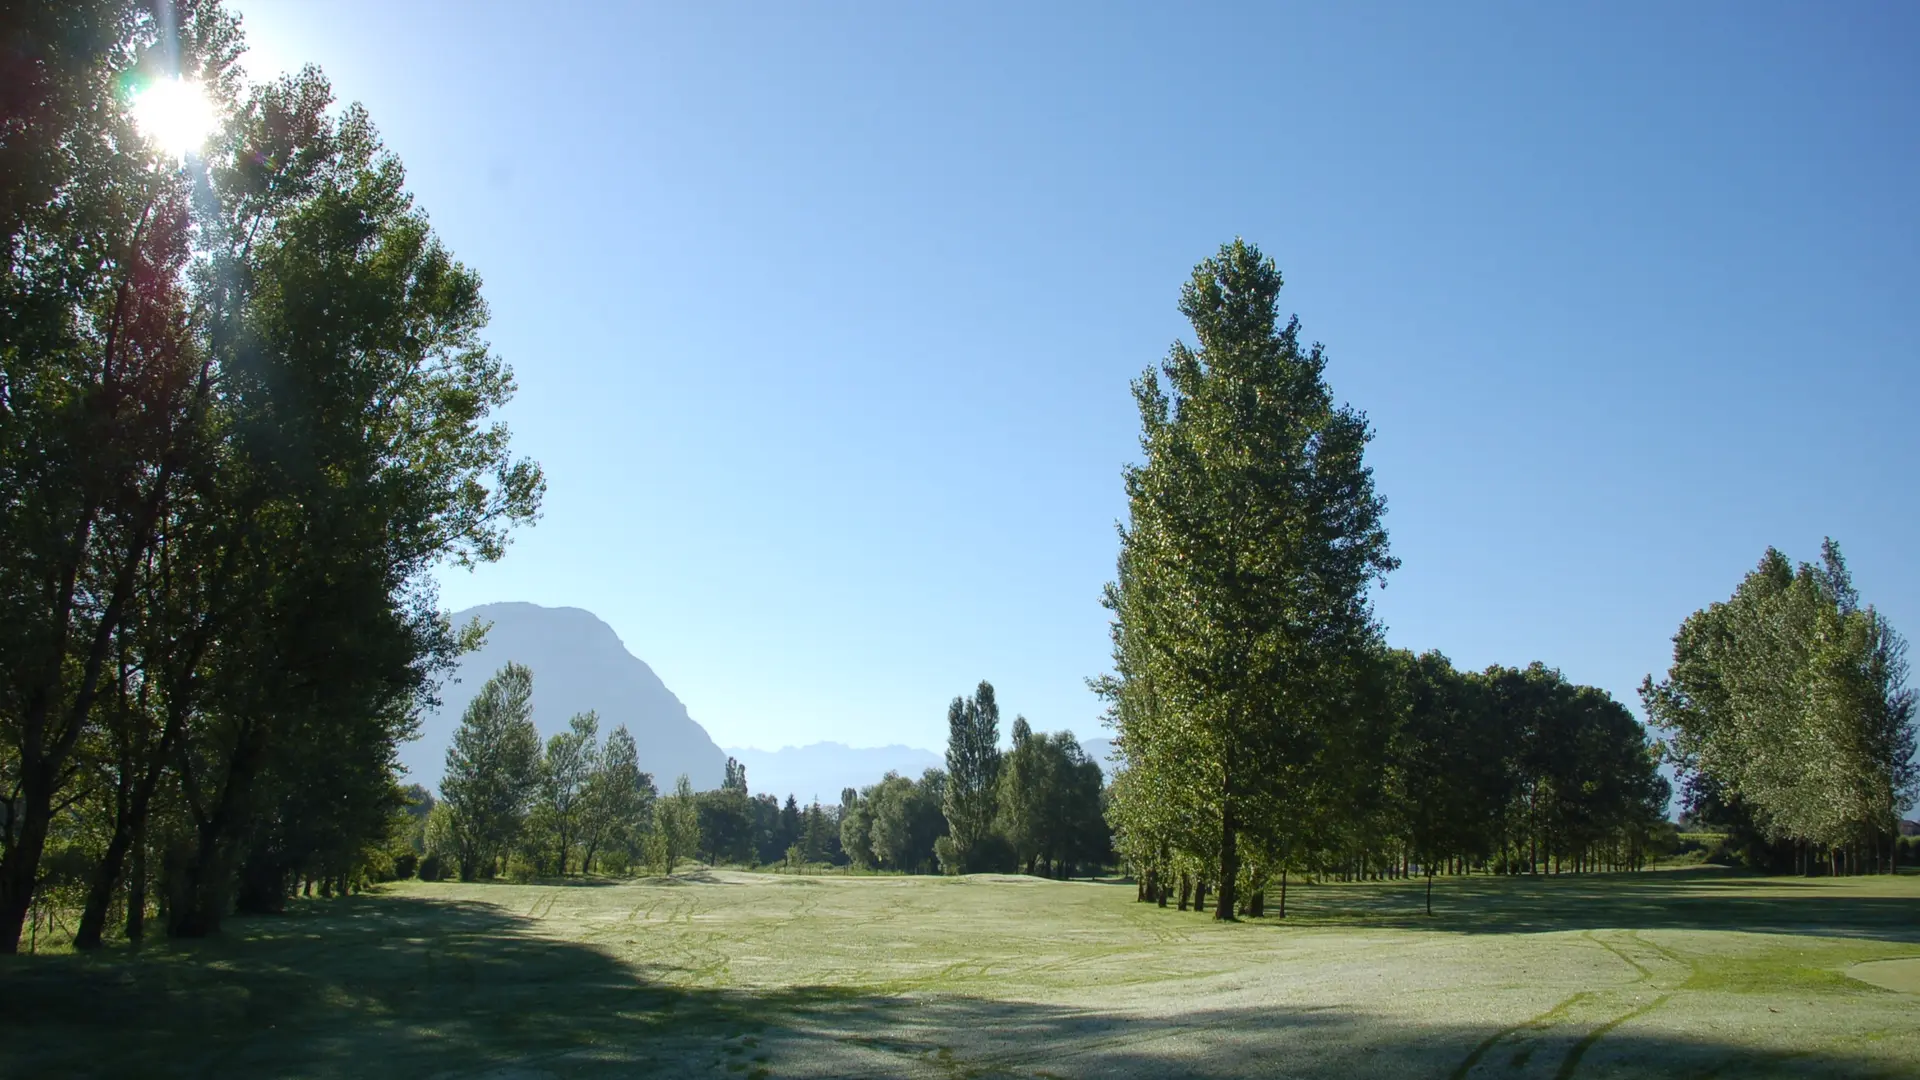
{"x": 1673, "y": 973}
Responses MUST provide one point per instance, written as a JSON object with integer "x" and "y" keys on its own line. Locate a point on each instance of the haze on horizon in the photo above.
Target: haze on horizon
{"x": 824, "y": 325}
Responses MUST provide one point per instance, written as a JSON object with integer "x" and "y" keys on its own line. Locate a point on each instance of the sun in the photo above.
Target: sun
{"x": 175, "y": 115}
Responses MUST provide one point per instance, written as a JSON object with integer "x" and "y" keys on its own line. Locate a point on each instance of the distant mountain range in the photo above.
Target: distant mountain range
{"x": 822, "y": 769}
{"x": 578, "y": 663}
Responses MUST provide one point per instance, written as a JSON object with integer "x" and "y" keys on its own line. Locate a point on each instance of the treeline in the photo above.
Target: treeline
{"x": 1265, "y": 728}
{"x": 1263, "y": 725}
{"x": 244, "y": 412}
{"x": 510, "y": 807}
{"x": 1793, "y": 727}
{"x": 1503, "y": 771}
{"x": 1036, "y": 808}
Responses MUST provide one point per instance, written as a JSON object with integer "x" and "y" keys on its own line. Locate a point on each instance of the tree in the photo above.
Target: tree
{"x": 725, "y": 825}
{"x": 618, "y": 807}
{"x": 676, "y": 827}
{"x": 1050, "y": 802}
{"x": 973, "y": 779}
{"x": 573, "y": 757}
{"x": 1254, "y": 535}
{"x": 246, "y": 414}
{"x": 907, "y": 820}
{"x": 1450, "y": 758}
{"x": 789, "y": 828}
{"x": 856, "y": 830}
{"x": 493, "y": 767}
{"x": 1787, "y": 704}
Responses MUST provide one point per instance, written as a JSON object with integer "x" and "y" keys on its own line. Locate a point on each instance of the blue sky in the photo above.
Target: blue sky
{"x": 824, "y": 315}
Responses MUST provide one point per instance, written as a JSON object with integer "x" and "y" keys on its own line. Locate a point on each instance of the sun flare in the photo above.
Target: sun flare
{"x": 175, "y": 115}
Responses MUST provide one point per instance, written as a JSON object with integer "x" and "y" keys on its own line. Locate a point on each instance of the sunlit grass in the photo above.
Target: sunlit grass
{"x": 730, "y": 974}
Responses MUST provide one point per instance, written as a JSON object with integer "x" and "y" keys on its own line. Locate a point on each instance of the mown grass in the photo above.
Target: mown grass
{"x": 1677, "y": 973}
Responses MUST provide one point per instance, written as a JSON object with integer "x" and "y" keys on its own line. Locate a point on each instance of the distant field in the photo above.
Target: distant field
{"x": 1673, "y": 973}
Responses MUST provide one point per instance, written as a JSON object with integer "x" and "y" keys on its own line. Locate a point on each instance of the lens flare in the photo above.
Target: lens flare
{"x": 175, "y": 115}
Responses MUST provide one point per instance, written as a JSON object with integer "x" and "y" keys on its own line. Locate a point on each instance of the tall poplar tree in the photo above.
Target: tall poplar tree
{"x": 973, "y": 777}
{"x": 1253, "y": 538}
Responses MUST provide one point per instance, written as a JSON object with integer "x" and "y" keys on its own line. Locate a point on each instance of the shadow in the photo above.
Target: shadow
{"x": 416, "y": 987}
{"x": 576, "y": 882}
{"x": 1693, "y": 899}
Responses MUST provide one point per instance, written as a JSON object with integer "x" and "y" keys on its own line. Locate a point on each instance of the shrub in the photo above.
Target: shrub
{"x": 405, "y": 864}
{"x": 433, "y": 868}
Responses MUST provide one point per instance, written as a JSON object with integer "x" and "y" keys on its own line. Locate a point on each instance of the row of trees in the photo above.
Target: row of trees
{"x": 244, "y": 412}
{"x": 1792, "y": 724}
{"x": 510, "y": 805}
{"x": 575, "y": 804}
{"x": 1035, "y": 808}
{"x": 1263, "y": 725}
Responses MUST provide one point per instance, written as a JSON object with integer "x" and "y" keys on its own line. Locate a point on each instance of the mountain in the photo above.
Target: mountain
{"x": 824, "y": 768}
{"x": 1100, "y": 750}
{"x": 578, "y": 664}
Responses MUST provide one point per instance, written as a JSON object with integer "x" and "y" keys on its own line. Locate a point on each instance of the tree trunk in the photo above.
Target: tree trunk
{"x": 1229, "y": 859}
{"x": 137, "y": 887}
{"x": 20, "y": 867}
{"x": 196, "y": 884}
{"x": 129, "y": 833}
{"x": 1429, "y": 890}
{"x": 1283, "y": 892}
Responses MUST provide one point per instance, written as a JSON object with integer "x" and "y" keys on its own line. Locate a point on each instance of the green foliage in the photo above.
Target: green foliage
{"x": 493, "y": 766}
{"x": 972, "y": 786}
{"x": 1789, "y": 712}
{"x": 1050, "y": 805}
{"x": 617, "y": 810}
{"x": 905, "y": 820}
{"x": 247, "y": 413}
{"x": 566, "y": 775}
{"x": 726, "y": 825}
{"x": 1242, "y": 628}
{"x": 676, "y": 828}
{"x": 856, "y": 831}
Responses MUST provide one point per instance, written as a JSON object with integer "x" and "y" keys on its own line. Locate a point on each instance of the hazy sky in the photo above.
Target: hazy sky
{"x": 824, "y": 315}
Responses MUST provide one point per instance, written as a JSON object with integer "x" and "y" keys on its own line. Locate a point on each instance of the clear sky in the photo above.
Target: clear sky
{"x": 824, "y": 315}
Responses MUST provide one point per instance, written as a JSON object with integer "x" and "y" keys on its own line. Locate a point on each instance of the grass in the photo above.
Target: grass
{"x": 1674, "y": 973}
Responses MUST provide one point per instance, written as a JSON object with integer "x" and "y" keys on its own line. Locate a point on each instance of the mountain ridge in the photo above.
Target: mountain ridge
{"x": 578, "y": 663}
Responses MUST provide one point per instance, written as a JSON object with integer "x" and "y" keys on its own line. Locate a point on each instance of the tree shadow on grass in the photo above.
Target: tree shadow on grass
{"x": 419, "y": 988}
{"x": 1666, "y": 900}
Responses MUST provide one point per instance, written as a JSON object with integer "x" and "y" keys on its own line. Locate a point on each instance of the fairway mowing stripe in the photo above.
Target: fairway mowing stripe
{"x": 1544, "y": 1020}
{"x": 1580, "y": 1048}
{"x": 1645, "y": 975}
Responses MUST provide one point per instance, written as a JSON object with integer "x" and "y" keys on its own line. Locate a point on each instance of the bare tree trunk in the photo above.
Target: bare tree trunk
{"x": 1229, "y": 862}
{"x": 137, "y": 886}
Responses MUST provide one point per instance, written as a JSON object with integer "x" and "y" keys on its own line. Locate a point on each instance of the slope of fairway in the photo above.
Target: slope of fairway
{"x": 730, "y": 974}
